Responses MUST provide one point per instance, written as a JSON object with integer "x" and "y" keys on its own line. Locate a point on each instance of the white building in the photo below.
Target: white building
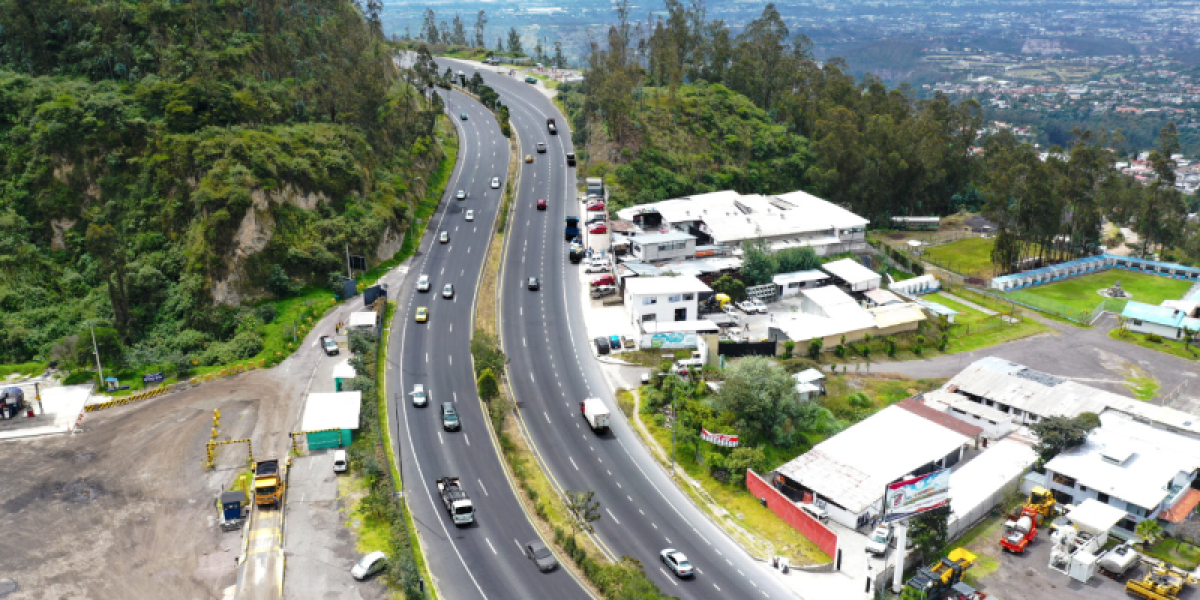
{"x": 917, "y": 285}
{"x": 790, "y": 284}
{"x": 663, "y": 298}
{"x": 1167, "y": 321}
{"x": 828, "y": 313}
{"x": 363, "y": 321}
{"x": 810, "y": 383}
{"x": 851, "y": 274}
{"x": 672, "y": 245}
{"x": 728, "y": 218}
{"x": 1136, "y": 467}
{"x": 994, "y": 423}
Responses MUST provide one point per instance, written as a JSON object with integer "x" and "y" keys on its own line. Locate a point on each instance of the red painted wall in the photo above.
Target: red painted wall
{"x": 822, "y": 536}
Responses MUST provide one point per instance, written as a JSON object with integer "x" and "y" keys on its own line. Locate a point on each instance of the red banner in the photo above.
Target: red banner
{"x": 720, "y": 439}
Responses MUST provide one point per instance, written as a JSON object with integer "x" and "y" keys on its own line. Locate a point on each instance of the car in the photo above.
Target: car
{"x": 676, "y": 562}
{"x": 470, "y": 215}
{"x": 595, "y": 205}
{"x": 759, "y": 307}
{"x": 596, "y": 268}
{"x": 369, "y": 565}
{"x": 530, "y": 80}
{"x": 541, "y": 204}
{"x": 747, "y": 307}
{"x": 329, "y": 345}
{"x": 603, "y": 280}
{"x": 444, "y": 237}
{"x": 614, "y": 341}
{"x": 597, "y": 228}
{"x": 528, "y": 158}
{"x": 534, "y": 284}
{"x": 541, "y": 556}
{"x": 450, "y": 417}
{"x": 602, "y": 291}
{"x": 419, "y": 396}
{"x": 463, "y": 116}
{"x": 495, "y": 183}
{"x": 423, "y": 283}
{"x": 541, "y": 148}
{"x": 602, "y": 345}
{"x": 339, "y": 461}
{"x": 879, "y": 539}
{"x": 814, "y": 511}
{"x": 570, "y": 159}
{"x": 461, "y": 195}
{"x": 448, "y": 291}
{"x": 422, "y": 314}
{"x": 597, "y": 218}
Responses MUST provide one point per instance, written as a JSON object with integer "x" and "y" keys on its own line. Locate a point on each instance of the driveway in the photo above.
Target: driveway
{"x": 1088, "y": 356}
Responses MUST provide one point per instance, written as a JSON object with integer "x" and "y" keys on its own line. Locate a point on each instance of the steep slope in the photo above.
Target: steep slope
{"x": 163, "y": 162}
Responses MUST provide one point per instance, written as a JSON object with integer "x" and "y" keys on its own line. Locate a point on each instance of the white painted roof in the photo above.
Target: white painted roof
{"x": 1095, "y": 516}
{"x": 943, "y": 400}
{"x": 896, "y": 314}
{"x": 783, "y": 279}
{"x": 974, "y": 483}
{"x": 1155, "y": 456}
{"x": 852, "y": 467}
{"x": 343, "y": 370}
{"x": 850, "y": 271}
{"x": 828, "y": 296}
{"x": 808, "y": 376}
{"x": 332, "y": 410}
{"x": 657, "y": 286}
{"x": 362, "y": 319}
{"x": 881, "y": 296}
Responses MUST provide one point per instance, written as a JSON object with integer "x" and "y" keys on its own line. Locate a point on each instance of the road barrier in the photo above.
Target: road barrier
{"x": 128, "y": 399}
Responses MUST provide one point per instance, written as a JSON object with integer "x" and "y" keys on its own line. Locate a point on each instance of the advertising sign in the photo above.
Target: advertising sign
{"x": 911, "y": 497}
{"x": 152, "y": 377}
{"x": 720, "y": 439}
{"x": 673, "y": 340}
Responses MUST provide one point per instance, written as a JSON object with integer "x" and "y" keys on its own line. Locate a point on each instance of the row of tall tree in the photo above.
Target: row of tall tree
{"x": 442, "y": 34}
{"x": 884, "y": 152}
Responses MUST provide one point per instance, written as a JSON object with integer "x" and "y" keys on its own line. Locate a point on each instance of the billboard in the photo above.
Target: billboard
{"x": 911, "y": 497}
{"x": 673, "y": 340}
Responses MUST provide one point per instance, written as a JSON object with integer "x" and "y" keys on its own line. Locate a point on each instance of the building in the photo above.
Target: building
{"x": 847, "y": 473}
{"x": 672, "y": 245}
{"x": 981, "y": 484}
{"x": 364, "y": 321}
{"x": 1133, "y": 466}
{"x": 790, "y": 284}
{"x": 995, "y": 423}
{"x": 917, "y": 222}
{"x": 1165, "y": 321}
{"x": 880, "y": 297}
{"x": 810, "y": 383}
{"x": 726, "y": 219}
{"x": 829, "y": 314}
{"x": 663, "y": 299}
{"x": 925, "y": 284}
{"x": 343, "y": 375}
{"x": 330, "y": 419}
{"x": 852, "y": 276}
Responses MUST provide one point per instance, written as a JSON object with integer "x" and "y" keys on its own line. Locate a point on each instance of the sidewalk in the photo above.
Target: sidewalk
{"x": 63, "y": 406}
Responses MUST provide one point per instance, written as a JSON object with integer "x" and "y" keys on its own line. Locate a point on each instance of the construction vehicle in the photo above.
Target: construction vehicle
{"x": 935, "y": 582}
{"x": 270, "y": 481}
{"x": 1020, "y": 529}
{"x": 1161, "y": 583}
{"x": 1042, "y": 502}
{"x": 456, "y": 501}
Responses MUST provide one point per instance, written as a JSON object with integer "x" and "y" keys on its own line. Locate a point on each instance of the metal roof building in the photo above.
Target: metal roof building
{"x": 857, "y": 277}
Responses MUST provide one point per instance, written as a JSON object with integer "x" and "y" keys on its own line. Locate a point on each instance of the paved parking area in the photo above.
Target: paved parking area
{"x": 318, "y": 547}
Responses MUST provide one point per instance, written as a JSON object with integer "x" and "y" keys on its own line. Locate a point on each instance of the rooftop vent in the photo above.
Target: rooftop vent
{"x": 1116, "y": 454}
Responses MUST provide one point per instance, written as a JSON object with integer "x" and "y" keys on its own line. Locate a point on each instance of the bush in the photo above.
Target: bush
{"x": 1154, "y": 338}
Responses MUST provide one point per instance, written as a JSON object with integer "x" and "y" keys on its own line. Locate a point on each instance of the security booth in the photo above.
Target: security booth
{"x": 233, "y": 510}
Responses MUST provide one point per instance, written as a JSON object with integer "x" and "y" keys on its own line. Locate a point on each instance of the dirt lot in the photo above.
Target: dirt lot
{"x": 124, "y": 509}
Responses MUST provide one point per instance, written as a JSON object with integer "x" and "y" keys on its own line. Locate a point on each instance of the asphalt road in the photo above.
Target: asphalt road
{"x": 552, "y": 368}
{"x": 483, "y": 560}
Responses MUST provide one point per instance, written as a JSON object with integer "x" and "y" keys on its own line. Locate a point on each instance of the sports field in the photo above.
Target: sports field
{"x": 1080, "y": 293}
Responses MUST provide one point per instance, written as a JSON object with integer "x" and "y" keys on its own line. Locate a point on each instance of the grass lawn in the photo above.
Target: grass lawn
{"x": 1080, "y": 293}
{"x": 1144, "y": 388}
{"x": 968, "y": 256}
{"x": 1168, "y": 346}
{"x": 982, "y": 541}
{"x": 1181, "y": 554}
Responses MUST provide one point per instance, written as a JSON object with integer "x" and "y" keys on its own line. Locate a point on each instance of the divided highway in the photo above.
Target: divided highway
{"x": 485, "y": 559}
{"x": 552, "y": 368}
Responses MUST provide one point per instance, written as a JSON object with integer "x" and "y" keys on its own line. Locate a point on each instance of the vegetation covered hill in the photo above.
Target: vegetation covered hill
{"x": 163, "y": 163}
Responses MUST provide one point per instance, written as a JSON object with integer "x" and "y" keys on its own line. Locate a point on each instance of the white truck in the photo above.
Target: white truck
{"x": 698, "y": 359}
{"x": 456, "y": 501}
{"x": 596, "y": 413}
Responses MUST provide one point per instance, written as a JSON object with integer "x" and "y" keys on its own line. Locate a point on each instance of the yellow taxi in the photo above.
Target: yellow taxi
{"x": 528, "y": 158}
{"x": 422, "y": 314}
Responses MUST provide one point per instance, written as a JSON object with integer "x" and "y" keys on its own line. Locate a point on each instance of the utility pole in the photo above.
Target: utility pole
{"x": 349, "y": 271}
{"x": 37, "y": 394}
{"x": 96, "y": 352}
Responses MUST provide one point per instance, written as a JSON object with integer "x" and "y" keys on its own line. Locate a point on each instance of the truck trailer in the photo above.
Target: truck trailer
{"x": 456, "y": 501}
{"x": 596, "y": 413}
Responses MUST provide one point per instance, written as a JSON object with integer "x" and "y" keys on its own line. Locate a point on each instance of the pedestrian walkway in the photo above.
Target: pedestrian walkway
{"x": 967, "y": 303}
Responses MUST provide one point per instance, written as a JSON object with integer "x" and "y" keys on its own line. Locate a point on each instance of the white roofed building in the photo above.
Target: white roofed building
{"x": 663, "y": 299}
{"x": 851, "y": 274}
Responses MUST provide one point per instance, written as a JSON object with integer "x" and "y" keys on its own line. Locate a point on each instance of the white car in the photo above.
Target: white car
{"x": 369, "y": 565}
{"x": 339, "y": 461}
{"x": 423, "y": 284}
{"x": 420, "y": 398}
{"x": 470, "y": 215}
{"x": 596, "y": 268}
{"x": 759, "y": 307}
{"x": 495, "y": 183}
{"x": 747, "y": 307}
{"x": 448, "y": 291}
{"x": 878, "y": 541}
{"x": 677, "y": 562}
{"x": 444, "y": 237}
{"x": 461, "y": 195}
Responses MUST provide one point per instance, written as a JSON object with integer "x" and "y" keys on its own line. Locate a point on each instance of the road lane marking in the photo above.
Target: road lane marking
{"x": 467, "y": 439}
{"x": 547, "y": 415}
{"x": 489, "y": 541}
{"x": 441, "y": 439}
{"x": 612, "y": 516}
{"x": 573, "y": 463}
{"x": 669, "y": 578}
{"x": 485, "y": 492}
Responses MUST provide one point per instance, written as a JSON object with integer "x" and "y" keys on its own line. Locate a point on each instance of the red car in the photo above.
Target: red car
{"x": 604, "y": 280}
{"x": 595, "y": 205}
{"x": 598, "y": 228}
{"x": 541, "y": 204}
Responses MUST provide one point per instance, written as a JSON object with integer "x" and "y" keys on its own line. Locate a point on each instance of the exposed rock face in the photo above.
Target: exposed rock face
{"x": 60, "y": 226}
{"x": 389, "y": 245}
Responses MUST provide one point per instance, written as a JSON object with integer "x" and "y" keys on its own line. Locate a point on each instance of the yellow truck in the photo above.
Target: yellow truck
{"x": 270, "y": 481}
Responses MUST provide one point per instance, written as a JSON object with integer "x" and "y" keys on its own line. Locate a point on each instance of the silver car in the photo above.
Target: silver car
{"x": 677, "y": 562}
{"x": 369, "y": 565}
{"x": 540, "y": 555}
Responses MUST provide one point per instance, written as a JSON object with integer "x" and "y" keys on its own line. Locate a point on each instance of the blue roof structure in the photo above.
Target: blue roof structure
{"x": 1159, "y": 315}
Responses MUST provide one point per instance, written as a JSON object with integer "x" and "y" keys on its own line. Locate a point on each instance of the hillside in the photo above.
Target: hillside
{"x": 164, "y": 163}
{"x": 706, "y": 138}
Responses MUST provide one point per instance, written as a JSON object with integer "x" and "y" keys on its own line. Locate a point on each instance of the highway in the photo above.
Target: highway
{"x": 485, "y": 559}
{"x": 552, "y": 368}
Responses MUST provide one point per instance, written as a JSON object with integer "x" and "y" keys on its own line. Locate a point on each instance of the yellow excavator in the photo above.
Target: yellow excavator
{"x": 934, "y": 582}
{"x": 1160, "y": 583}
{"x": 1041, "y": 501}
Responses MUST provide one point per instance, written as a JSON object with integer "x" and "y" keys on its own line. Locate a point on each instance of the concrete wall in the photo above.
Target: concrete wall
{"x": 818, "y": 533}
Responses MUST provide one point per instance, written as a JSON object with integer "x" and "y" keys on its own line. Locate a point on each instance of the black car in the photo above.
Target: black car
{"x": 450, "y": 417}
{"x": 597, "y": 218}
{"x": 602, "y": 345}
{"x": 534, "y": 284}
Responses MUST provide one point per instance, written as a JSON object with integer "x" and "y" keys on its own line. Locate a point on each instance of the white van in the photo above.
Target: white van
{"x": 339, "y": 461}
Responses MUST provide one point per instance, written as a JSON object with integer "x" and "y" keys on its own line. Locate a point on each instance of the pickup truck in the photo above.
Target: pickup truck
{"x": 596, "y": 413}
{"x": 697, "y": 361}
{"x": 572, "y": 230}
{"x": 456, "y": 501}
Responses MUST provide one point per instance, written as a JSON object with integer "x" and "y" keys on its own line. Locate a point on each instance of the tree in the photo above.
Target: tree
{"x": 429, "y": 28}
{"x": 814, "y": 348}
{"x": 481, "y": 21}
{"x": 108, "y": 342}
{"x": 585, "y": 509}
{"x": 790, "y": 260}
{"x": 730, "y": 286}
{"x": 928, "y": 531}
{"x": 458, "y": 34}
{"x": 485, "y": 350}
{"x": 514, "y": 40}
{"x": 761, "y": 398}
{"x": 1056, "y": 434}
{"x": 758, "y": 264}
{"x": 489, "y": 389}
{"x": 742, "y": 458}
{"x": 559, "y": 60}
{"x": 1149, "y": 530}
